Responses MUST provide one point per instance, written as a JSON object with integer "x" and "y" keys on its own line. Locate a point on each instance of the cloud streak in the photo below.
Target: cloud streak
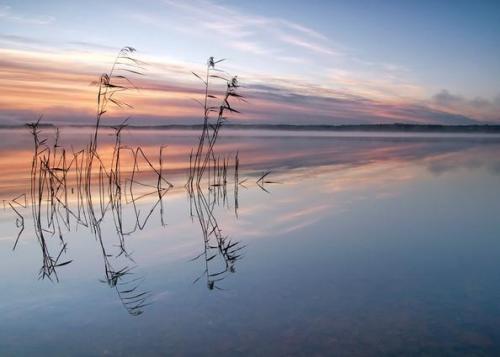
{"x": 484, "y": 109}
{"x": 253, "y": 34}
{"x": 8, "y": 14}
{"x": 57, "y": 85}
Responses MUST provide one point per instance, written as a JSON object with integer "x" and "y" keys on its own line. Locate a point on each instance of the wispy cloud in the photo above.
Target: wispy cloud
{"x": 55, "y": 80}
{"x": 315, "y": 55}
{"x": 254, "y": 34}
{"x": 380, "y": 85}
{"x": 279, "y": 42}
{"x": 319, "y": 105}
{"x": 484, "y": 109}
{"x": 311, "y": 46}
{"x": 251, "y": 47}
{"x": 8, "y": 14}
{"x": 57, "y": 84}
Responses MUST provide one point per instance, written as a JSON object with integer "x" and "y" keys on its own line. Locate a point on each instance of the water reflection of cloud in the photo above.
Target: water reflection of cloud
{"x": 495, "y": 168}
{"x": 304, "y": 154}
{"x": 470, "y": 159}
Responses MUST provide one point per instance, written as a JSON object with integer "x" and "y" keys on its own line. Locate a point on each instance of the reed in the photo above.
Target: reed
{"x": 103, "y": 191}
{"x": 214, "y": 111}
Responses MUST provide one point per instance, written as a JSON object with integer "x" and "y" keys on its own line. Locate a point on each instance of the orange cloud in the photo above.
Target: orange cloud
{"x": 58, "y": 86}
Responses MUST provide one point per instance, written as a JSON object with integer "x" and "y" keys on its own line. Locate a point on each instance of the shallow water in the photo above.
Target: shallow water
{"x": 361, "y": 244}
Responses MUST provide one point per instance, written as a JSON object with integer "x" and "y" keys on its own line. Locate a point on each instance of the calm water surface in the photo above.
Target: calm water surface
{"x": 361, "y": 244}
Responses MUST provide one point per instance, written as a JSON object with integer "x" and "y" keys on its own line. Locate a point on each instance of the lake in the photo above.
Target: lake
{"x": 294, "y": 243}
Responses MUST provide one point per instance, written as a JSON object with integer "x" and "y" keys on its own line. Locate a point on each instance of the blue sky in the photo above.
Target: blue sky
{"x": 437, "y": 57}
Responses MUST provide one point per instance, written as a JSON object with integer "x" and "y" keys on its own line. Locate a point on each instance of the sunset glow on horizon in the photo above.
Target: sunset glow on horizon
{"x": 298, "y": 64}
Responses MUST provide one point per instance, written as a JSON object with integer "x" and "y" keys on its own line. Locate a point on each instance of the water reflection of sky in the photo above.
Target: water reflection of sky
{"x": 372, "y": 245}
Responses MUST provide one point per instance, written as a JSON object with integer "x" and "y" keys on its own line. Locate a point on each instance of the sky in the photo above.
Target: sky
{"x": 314, "y": 62}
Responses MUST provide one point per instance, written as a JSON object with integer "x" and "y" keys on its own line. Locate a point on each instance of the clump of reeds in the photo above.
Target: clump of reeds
{"x": 204, "y": 160}
{"x": 46, "y": 183}
{"x": 101, "y": 189}
{"x": 214, "y": 110}
{"x": 113, "y": 83}
{"x": 50, "y": 174}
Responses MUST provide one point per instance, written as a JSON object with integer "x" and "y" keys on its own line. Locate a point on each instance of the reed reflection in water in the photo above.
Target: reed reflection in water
{"x": 62, "y": 199}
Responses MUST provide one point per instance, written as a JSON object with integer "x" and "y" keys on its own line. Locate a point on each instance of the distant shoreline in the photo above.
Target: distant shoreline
{"x": 397, "y": 127}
